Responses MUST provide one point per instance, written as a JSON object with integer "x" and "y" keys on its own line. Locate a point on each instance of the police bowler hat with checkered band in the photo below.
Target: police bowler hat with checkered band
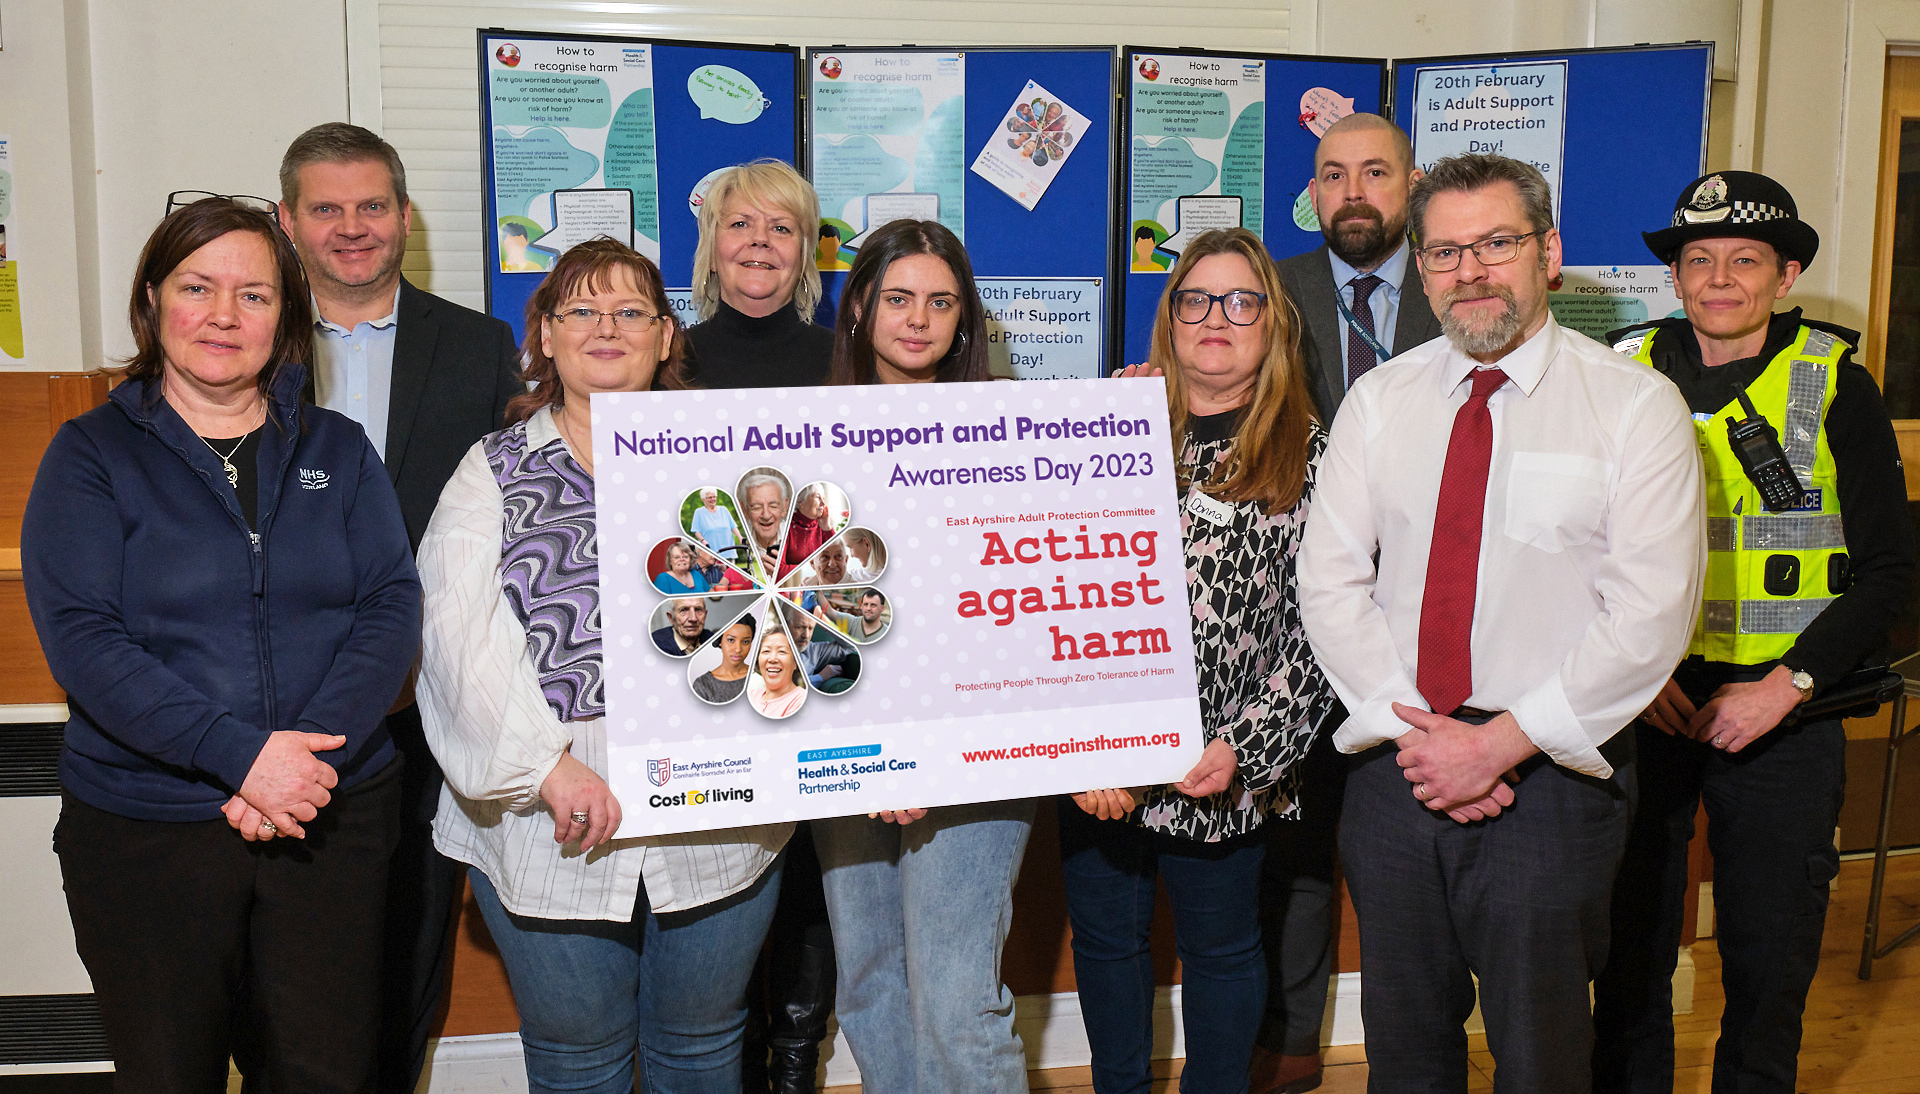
{"x": 1736, "y": 205}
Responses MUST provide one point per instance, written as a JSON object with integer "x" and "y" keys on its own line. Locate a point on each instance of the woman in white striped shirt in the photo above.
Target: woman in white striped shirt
{"x": 610, "y": 944}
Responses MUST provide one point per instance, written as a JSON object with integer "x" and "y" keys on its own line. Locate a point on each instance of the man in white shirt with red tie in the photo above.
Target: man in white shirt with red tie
{"x": 1501, "y": 570}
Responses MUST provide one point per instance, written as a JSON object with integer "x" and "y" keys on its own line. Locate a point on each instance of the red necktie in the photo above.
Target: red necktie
{"x": 1453, "y": 565}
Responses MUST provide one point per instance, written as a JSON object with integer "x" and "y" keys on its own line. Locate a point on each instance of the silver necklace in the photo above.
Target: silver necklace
{"x": 226, "y": 461}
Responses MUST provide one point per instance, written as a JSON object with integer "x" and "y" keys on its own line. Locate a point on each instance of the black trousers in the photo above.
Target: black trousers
{"x": 177, "y": 923}
{"x": 1521, "y": 901}
{"x": 1297, "y": 903}
{"x": 423, "y": 892}
{"x": 1771, "y": 810}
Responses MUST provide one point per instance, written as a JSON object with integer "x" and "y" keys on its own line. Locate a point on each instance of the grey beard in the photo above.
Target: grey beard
{"x": 1494, "y": 337}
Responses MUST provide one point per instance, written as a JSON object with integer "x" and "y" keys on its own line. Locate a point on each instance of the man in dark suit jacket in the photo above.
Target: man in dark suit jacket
{"x": 1363, "y": 174}
{"x": 426, "y": 378}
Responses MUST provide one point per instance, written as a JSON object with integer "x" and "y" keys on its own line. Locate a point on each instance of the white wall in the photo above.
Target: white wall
{"x": 113, "y": 103}
{"x": 33, "y": 111}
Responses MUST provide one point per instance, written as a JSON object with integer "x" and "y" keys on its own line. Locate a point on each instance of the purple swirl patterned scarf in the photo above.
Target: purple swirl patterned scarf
{"x": 550, "y": 566}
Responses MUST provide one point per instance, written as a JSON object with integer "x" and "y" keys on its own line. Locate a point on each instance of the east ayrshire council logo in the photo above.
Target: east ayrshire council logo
{"x": 659, "y": 772}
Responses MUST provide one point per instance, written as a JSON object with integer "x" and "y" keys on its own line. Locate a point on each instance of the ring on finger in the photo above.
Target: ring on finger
{"x": 1420, "y": 791}
{"x": 268, "y": 828}
{"x": 580, "y": 816}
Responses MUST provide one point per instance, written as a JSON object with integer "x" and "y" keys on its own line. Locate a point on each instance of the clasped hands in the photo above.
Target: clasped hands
{"x": 1214, "y": 773}
{"x": 286, "y": 786}
{"x": 1465, "y": 771}
{"x": 1736, "y": 715}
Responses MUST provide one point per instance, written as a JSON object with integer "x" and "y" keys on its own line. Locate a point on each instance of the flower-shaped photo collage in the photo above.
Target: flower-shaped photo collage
{"x": 771, "y": 592}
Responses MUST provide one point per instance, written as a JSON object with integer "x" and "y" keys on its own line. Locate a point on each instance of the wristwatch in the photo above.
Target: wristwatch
{"x": 1802, "y": 681}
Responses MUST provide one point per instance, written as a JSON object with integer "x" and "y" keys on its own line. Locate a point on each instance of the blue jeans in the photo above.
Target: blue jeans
{"x": 920, "y": 915}
{"x": 1109, "y": 868}
{"x": 589, "y": 990}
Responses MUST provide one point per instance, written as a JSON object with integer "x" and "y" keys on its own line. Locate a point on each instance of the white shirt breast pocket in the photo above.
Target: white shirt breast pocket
{"x": 1555, "y": 500}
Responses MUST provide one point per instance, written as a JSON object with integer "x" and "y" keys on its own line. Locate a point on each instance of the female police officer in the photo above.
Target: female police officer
{"x": 1810, "y": 559}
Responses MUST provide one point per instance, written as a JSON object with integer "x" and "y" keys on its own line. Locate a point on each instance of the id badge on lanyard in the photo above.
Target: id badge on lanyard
{"x": 1380, "y": 353}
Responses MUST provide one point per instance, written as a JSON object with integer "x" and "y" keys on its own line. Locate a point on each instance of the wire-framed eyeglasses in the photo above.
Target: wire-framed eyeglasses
{"x": 584, "y": 319}
{"x": 180, "y": 199}
{"x": 1242, "y": 307}
{"x": 1491, "y": 251}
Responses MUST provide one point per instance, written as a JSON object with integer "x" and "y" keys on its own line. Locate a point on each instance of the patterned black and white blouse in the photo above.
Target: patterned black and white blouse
{"x": 1260, "y": 688}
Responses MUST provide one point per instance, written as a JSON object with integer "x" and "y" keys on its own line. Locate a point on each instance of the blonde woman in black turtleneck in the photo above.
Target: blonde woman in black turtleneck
{"x": 755, "y": 286}
{"x": 755, "y": 283}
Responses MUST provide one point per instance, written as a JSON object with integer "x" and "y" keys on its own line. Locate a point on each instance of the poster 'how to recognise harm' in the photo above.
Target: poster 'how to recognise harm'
{"x": 573, "y": 147}
{"x": 1199, "y": 152}
{"x": 828, "y": 601}
{"x": 887, "y": 142}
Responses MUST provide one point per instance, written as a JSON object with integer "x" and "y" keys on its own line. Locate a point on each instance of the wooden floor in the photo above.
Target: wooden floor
{"x": 1862, "y": 1036}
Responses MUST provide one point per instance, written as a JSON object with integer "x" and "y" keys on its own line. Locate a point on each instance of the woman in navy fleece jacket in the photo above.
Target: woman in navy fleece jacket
{"x": 221, "y": 580}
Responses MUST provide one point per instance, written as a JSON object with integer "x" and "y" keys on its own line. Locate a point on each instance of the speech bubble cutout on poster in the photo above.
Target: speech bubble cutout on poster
{"x": 551, "y": 98}
{"x": 538, "y": 162}
{"x": 884, "y": 209}
{"x": 1305, "y": 216}
{"x": 726, "y": 94}
{"x": 1040, "y": 637}
{"x": 1320, "y": 107}
{"x": 580, "y": 215}
{"x": 1202, "y": 213}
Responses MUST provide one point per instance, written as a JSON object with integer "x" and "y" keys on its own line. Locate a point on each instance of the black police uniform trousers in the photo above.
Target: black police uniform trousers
{"x": 1771, "y": 811}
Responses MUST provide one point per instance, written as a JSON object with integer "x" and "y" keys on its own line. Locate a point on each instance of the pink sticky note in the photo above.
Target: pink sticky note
{"x": 1320, "y": 107}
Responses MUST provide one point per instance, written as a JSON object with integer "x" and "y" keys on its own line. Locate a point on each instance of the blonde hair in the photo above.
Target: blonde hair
{"x": 1267, "y": 462}
{"x": 767, "y": 184}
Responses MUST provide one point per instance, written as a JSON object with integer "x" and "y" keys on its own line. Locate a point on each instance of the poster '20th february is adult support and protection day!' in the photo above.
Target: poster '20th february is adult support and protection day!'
{"x": 827, "y": 601}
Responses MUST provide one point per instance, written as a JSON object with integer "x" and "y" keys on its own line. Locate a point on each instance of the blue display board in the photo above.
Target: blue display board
{"x": 1636, "y": 133}
{"x": 1065, "y": 239}
{"x": 1295, "y": 101}
{"x": 713, "y": 105}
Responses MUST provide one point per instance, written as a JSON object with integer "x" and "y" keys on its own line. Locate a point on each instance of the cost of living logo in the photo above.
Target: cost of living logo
{"x": 772, "y": 595}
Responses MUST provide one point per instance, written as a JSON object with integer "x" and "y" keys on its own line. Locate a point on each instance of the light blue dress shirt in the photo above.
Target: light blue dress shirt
{"x": 353, "y": 370}
{"x": 1385, "y": 298}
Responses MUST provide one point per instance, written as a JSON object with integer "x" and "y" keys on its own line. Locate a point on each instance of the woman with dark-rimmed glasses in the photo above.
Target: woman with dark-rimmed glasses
{"x": 1227, "y": 339}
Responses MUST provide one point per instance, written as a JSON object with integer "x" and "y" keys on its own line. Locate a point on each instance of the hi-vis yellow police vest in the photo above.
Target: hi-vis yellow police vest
{"x": 1769, "y": 574}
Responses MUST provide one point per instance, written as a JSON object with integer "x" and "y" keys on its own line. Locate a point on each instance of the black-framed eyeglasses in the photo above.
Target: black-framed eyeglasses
{"x": 180, "y": 199}
{"x": 583, "y": 319}
{"x": 1491, "y": 251}
{"x": 1242, "y": 307}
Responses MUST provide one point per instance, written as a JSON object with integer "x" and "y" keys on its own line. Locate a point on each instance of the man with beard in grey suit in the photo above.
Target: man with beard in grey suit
{"x": 1363, "y": 173}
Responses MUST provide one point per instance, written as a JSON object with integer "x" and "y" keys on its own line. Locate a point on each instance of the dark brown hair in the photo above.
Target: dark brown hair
{"x": 1267, "y": 462}
{"x": 185, "y": 231}
{"x": 591, "y": 265}
{"x": 853, "y": 363}
{"x": 338, "y": 142}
